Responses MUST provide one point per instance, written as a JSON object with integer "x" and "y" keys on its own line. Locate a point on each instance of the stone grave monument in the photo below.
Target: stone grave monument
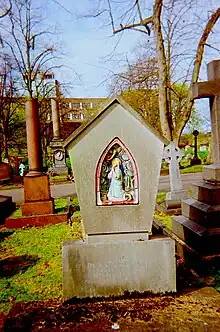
{"x": 38, "y": 206}
{"x": 59, "y": 156}
{"x": 172, "y": 155}
{"x": 199, "y": 225}
{"x": 116, "y": 160}
{"x": 195, "y": 160}
{"x": 5, "y": 173}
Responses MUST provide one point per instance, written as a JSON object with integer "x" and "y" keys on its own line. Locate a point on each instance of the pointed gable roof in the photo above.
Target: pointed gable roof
{"x": 114, "y": 100}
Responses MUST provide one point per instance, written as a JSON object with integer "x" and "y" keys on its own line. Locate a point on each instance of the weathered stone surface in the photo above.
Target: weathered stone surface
{"x": 36, "y": 188}
{"x": 202, "y": 213}
{"x": 103, "y": 267}
{"x": 37, "y": 208}
{"x": 6, "y": 207}
{"x": 211, "y": 173}
{"x": 85, "y": 150}
{"x": 172, "y": 154}
{"x": 206, "y": 192}
{"x": 37, "y": 220}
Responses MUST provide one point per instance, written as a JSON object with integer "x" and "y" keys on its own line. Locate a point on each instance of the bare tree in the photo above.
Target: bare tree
{"x": 27, "y": 43}
{"x": 12, "y": 119}
{"x": 5, "y": 9}
{"x": 162, "y": 19}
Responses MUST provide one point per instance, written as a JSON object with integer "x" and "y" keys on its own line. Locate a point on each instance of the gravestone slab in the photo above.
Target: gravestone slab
{"x": 116, "y": 160}
{"x": 93, "y": 144}
{"x": 104, "y": 266}
{"x": 4, "y": 172}
{"x": 6, "y": 207}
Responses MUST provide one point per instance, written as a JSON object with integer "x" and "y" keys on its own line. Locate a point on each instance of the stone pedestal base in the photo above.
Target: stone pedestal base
{"x": 59, "y": 170}
{"x": 37, "y": 220}
{"x": 37, "y": 208}
{"x": 37, "y": 197}
{"x": 199, "y": 225}
{"x": 110, "y": 265}
{"x": 195, "y": 161}
{"x": 174, "y": 198}
{"x": 211, "y": 173}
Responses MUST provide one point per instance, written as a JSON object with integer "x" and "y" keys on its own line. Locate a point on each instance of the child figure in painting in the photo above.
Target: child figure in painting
{"x": 116, "y": 192}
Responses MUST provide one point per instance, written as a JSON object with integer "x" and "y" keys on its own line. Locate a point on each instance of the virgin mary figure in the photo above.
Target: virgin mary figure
{"x": 116, "y": 192}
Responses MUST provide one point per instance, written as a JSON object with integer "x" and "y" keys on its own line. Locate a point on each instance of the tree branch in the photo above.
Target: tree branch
{"x": 143, "y": 23}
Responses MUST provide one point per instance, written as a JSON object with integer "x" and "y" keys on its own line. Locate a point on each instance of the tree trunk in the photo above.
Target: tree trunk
{"x": 165, "y": 114}
{"x": 196, "y": 69}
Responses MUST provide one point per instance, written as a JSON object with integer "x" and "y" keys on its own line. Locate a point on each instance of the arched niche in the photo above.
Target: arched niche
{"x": 117, "y": 176}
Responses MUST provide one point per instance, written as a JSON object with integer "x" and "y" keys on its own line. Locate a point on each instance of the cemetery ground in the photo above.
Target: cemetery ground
{"x": 31, "y": 288}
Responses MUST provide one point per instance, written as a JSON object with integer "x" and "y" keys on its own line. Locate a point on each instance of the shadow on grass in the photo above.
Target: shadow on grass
{"x": 4, "y": 235}
{"x": 16, "y": 265}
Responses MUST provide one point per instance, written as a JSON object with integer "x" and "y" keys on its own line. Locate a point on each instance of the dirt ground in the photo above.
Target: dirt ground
{"x": 196, "y": 311}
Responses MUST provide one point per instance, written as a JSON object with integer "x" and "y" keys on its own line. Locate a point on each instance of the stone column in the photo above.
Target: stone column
{"x": 33, "y": 138}
{"x": 37, "y": 196}
{"x": 211, "y": 173}
{"x": 55, "y": 119}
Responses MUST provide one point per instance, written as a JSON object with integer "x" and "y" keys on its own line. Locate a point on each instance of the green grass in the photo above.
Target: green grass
{"x": 165, "y": 219}
{"x": 161, "y": 196}
{"x": 60, "y": 207}
{"x": 192, "y": 169}
{"x": 39, "y": 273}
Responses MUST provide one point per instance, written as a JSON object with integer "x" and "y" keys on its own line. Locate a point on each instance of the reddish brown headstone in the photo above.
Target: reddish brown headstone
{"x": 4, "y": 172}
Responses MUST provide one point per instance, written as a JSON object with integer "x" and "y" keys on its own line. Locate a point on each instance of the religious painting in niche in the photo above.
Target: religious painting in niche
{"x": 116, "y": 176}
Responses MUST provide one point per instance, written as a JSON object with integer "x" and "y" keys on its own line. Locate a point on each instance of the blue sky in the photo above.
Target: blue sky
{"x": 86, "y": 44}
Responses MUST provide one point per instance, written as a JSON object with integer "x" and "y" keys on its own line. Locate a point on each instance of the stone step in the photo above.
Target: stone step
{"x": 204, "y": 214}
{"x": 204, "y": 241}
{"x": 206, "y": 192}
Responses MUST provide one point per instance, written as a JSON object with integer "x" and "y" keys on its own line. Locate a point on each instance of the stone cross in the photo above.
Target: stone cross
{"x": 172, "y": 154}
{"x": 211, "y": 89}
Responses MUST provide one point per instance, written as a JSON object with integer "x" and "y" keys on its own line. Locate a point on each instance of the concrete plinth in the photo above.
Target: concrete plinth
{"x": 37, "y": 196}
{"x": 110, "y": 265}
{"x": 37, "y": 208}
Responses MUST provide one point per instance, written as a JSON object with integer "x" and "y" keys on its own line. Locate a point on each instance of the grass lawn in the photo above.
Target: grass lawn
{"x": 192, "y": 169}
{"x": 30, "y": 266}
{"x": 31, "y": 262}
{"x": 160, "y": 216}
{"x": 60, "y": 206}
